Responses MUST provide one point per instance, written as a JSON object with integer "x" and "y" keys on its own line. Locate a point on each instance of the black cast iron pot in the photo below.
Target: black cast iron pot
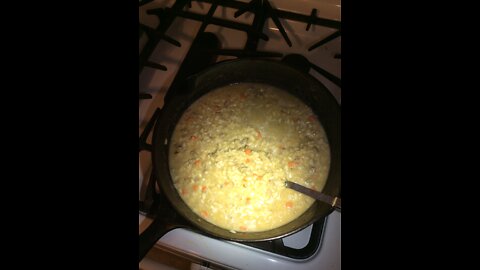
{"x": 274, "y": 73}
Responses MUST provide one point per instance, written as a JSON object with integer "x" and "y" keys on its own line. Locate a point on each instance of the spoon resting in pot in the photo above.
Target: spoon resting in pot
{"x": 333, "y": 201}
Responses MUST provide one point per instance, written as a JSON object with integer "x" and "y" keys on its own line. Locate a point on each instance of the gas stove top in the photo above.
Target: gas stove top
{"x": 180, "y": 38}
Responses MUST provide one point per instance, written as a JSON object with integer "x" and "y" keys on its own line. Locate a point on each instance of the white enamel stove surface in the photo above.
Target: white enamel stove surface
{"x": 156, "y": 83}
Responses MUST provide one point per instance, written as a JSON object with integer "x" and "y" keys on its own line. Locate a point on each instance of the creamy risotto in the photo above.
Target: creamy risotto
{"x": 233, "y": 149}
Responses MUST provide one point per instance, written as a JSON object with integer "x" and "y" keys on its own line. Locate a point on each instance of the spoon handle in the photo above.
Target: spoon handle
{"x": 336, "y": 202}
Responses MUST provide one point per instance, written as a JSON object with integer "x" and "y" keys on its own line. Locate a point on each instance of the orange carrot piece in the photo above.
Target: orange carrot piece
{"x": 248, "y": 151}
{"x": 204, "y": 188}
{"x": 184, "y": 191}
{"x": 204, "y": 213}
{"x": 195, "y": 187}
{"x": 292, "y": 164}
{"x": 289, "y": 204}
{"x": 197, "y": 163}
{"x": 243, "y": 228}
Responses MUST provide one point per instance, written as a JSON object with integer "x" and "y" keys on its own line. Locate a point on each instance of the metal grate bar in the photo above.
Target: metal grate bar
{"x": 220, "y": 22}
{"x": 282, "y": 14}
{"x": 143, "y": 145}
{"x": 325, "y": 40}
